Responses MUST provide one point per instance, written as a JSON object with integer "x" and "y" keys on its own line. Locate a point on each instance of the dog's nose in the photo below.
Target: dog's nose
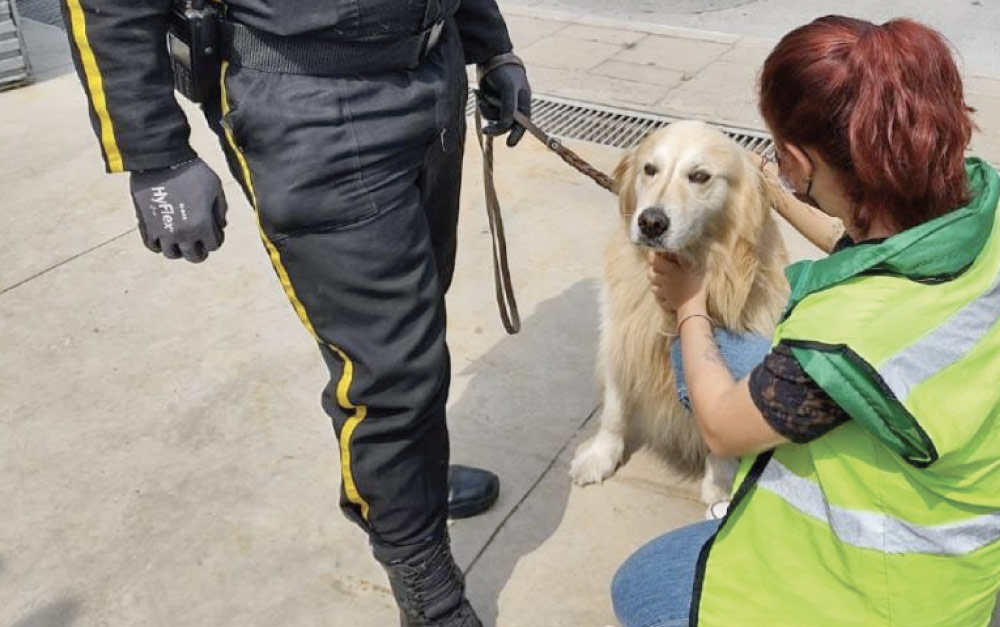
{"x": 653, "y": 222}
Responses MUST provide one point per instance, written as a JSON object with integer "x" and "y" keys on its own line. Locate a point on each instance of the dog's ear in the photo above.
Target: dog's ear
{"x": 624, "y": 179}
{"x": 737, "y": 261}
{"x": 750, "y": 202}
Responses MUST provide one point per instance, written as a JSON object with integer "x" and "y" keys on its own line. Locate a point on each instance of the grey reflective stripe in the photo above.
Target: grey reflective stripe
{"x": 877, "y": 531}
{"x": 945, "y": 345}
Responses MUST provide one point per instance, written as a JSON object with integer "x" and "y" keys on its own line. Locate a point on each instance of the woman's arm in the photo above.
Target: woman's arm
{"x": 820, "y": 229}
{"x": 726, "y": 415}
{"x": 723, "y": 409}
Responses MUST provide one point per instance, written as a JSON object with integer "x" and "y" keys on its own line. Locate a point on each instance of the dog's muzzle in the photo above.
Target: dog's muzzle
{"x": 653, "y": 222}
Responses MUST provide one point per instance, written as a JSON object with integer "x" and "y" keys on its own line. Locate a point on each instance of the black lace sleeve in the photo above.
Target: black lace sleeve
{"x": 790, "y": 401}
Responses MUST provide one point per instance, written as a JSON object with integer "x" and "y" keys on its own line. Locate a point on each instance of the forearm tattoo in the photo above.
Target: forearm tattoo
{"x": 711, "y": 353}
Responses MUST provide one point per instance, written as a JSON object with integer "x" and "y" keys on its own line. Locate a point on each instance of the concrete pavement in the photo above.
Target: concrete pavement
{"x": 166, "y": 461}
{"x": 972, "y": 26}
{"x": 603, "y": 52}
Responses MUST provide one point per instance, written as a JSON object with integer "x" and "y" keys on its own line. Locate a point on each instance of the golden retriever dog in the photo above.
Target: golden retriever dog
{"x": 689, "y": 190}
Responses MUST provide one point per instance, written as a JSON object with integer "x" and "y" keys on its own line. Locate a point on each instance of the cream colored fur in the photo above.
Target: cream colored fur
{"x": 726, "y": 226}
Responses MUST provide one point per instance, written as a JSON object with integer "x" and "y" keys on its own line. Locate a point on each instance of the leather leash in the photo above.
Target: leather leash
{"x": 501, "y": 271}
{"x": 567, "y": 155}
{"x": 506, "y": 302}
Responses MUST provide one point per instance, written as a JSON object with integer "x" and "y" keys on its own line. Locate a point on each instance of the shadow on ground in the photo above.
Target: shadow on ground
{"x": 45, "y": 39}
{"x": 56, "y": 614}
{"x": 546, "y": 401}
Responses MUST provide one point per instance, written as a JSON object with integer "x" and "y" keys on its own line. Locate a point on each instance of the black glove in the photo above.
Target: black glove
{"x": 181, "y": 210}
{"x": 504, "y": 85}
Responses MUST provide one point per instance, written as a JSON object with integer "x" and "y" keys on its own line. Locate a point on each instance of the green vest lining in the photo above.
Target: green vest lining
{"x": 934, "y": 251}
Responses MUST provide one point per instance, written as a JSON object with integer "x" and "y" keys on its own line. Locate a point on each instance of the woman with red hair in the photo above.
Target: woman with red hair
{"x": 869, "y": 490}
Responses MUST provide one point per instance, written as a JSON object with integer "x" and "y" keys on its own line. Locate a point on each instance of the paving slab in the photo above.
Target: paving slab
{"x": 748, "y": 53}
{"x": 46, "y": 145}
{"x": 982, "y": 86}
{"x": 986, "y": 139}
{"x": 598, "y": 88}
{"x": 568, "y": 53}
{"x": 726, "y": 78}
{"x": 643, "y": 74}
{"x": 525, "y": 31}
{"x": 723, "y": 92}
{"x": 673, "y": 53}
{"x": 701, "y": 105}
{"x": 619, "y": 36}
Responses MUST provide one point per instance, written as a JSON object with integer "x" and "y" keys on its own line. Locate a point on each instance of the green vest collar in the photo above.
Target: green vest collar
{"x": 937, "y": 250}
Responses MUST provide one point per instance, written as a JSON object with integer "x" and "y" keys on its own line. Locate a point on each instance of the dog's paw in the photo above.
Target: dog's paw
{"x": 598, "y": 460}
{"x": 712, "y": 492}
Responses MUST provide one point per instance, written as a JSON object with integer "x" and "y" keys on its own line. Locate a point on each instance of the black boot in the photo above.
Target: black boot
{"x": 429, "y": 587}
{"x": 471, "y": 491}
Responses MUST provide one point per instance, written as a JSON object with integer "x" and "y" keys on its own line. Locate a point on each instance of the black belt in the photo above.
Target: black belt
{"x": 316, "y": 56}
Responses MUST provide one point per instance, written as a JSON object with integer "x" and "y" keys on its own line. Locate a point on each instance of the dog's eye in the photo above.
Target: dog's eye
{"x": 699, "y": 176}
{"x": 650, "y": 169}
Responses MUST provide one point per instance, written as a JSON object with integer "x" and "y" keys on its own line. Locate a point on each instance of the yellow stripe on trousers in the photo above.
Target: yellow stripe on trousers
{"x": 95, "y": 85}
{"x": 344, "y": 384}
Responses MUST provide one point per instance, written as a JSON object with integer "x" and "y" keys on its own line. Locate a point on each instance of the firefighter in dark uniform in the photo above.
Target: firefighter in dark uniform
{"x": 344, "y": 123}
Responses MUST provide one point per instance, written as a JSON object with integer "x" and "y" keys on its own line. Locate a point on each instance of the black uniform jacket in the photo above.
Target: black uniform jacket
{"x": 120, "y": 54}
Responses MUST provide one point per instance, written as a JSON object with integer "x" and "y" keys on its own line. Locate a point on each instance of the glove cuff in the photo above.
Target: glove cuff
{"x": 507, "y": 58}
{"x": 168, "y": 168}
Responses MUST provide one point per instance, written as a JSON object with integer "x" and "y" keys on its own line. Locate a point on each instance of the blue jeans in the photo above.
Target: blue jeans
{"x": 653, "y": 587}
{"x": 742, "y": 352}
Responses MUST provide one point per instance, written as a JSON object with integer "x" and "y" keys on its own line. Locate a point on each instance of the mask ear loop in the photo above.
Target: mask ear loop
{"x": 809, "y": 179}
{"x": 772, "y": 157}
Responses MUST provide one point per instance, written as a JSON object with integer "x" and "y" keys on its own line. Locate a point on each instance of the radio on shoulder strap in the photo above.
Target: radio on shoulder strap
{"x": 193, "y": 41}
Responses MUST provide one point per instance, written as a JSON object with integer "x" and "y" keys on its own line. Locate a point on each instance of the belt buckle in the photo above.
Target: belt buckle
{"x": 433, "y": 36}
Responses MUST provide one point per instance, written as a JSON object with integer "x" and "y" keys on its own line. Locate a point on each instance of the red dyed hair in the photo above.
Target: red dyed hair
{"x": 883, "y": 105}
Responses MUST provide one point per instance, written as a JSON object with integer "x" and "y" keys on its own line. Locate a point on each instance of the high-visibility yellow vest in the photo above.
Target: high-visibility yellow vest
{"x": 894, "y": 517}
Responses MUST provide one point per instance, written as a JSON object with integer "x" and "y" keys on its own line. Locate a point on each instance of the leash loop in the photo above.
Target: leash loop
{"x": 506, "y": 302}
{"x": 503, "y": 284}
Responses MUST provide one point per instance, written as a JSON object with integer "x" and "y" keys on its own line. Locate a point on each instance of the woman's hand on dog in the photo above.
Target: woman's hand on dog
{"x": 679, "y": 287}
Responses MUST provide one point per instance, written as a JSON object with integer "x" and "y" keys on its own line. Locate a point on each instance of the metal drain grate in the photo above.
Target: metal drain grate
{"x": 610, "y": 126}
{"x": 14, "y": 66}
{"x": 44, "y": 11}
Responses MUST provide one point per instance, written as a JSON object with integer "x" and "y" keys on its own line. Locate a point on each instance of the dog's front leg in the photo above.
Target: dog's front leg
{"x": 717, "y": 483}
{"x": 599, "y": 458}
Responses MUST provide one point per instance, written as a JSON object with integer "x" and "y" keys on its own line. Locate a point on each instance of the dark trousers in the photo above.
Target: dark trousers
{"x": 355, "y": 182}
